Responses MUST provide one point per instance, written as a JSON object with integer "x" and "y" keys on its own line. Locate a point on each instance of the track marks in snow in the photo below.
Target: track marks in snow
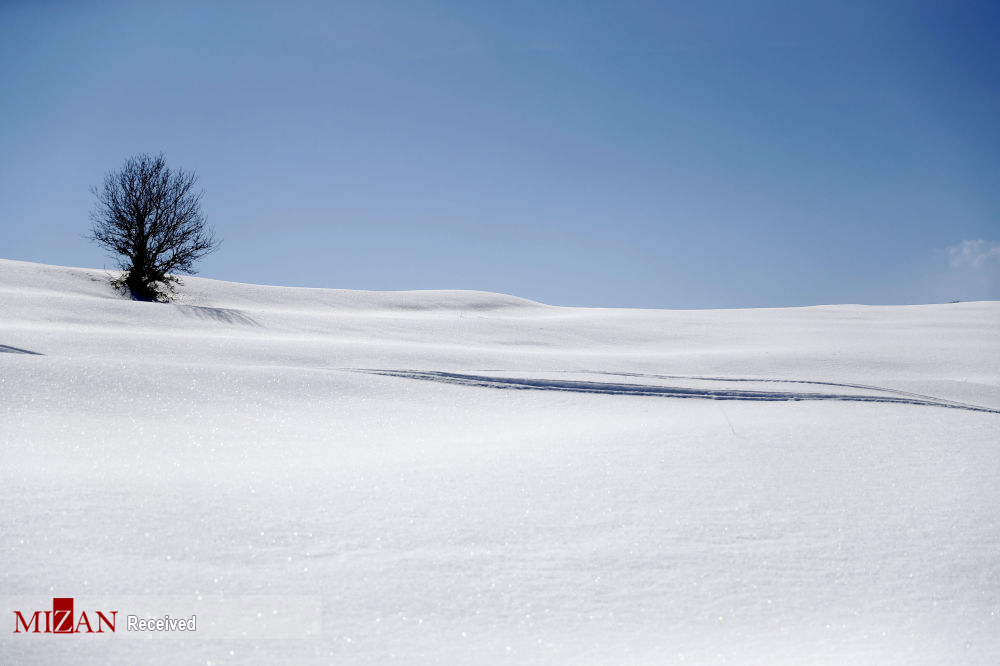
{"x": 17, "y": 350}
{"x": 715, "y": 388}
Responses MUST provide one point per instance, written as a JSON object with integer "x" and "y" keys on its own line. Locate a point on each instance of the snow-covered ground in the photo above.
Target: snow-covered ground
{"x": 468, "y": 477}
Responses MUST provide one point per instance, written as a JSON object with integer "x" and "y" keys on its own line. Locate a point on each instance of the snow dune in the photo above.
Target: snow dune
{"x": 467, "y": 476}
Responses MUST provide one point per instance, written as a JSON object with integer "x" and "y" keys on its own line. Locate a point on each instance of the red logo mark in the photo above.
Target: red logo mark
{"x": 60, "y": 620}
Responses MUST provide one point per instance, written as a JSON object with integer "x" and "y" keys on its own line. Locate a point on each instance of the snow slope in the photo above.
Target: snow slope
{"x": 472, "y": 477}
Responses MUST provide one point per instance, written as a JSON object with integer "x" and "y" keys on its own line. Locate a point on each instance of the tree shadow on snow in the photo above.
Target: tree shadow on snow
{"x": 221, "y": 315}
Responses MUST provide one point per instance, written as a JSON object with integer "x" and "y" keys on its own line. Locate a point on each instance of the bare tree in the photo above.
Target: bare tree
{"x": 150, "y": 217}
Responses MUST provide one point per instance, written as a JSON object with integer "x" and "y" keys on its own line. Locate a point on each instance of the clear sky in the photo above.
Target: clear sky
{"x": 648, "y": 154}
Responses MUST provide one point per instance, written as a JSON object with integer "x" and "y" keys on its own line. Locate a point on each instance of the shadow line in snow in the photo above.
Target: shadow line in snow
{"x": 618, "y": 388}
{"x": 775, "y": 381}
{"x": 17, "y": 350}
{"x": 223, "y": 315}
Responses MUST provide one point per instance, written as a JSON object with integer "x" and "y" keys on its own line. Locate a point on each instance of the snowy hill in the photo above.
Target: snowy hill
{"x": 467, "y": 476}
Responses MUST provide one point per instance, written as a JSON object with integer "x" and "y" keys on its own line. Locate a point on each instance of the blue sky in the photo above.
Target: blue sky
{"x": 641, "y": 154}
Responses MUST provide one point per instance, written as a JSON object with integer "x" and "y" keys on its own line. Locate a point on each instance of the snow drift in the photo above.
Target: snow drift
{"x": 466, "y": 476}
